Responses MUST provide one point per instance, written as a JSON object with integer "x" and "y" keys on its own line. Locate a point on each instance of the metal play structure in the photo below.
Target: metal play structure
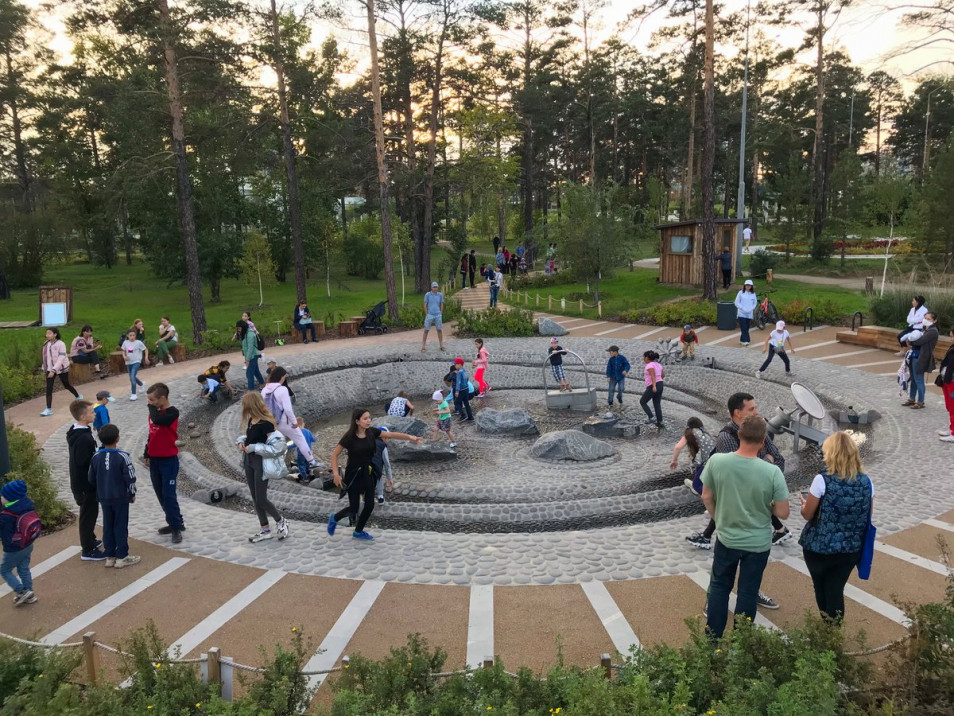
{"x": 579, "y": 399}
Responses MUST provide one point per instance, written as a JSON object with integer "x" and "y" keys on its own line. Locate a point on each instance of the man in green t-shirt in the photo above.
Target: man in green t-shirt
{"x": 741, "y": 493}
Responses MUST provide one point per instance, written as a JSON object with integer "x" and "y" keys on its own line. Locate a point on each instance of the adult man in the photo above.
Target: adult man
{"x": 725, "y": 258}
{"x": 496, "y": 242}
{"x": 742, "y": 492}
{"x": 433, "y": 315}
{"x": 747, "y": 237}
{"x": 472, "y": 265}
{"x": 496, "y": 281}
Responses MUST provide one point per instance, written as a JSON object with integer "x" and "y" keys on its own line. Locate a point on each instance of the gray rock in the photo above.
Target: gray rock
{"x": 219, "y": 493}
{"x": 608, "y": 425}
{"x": 406, "y": 451}
{"x": 570, "y": 445}
{"x": 409, "y": 425}
{"x": 549, "y": 327}
{"x": 513, "y": 421}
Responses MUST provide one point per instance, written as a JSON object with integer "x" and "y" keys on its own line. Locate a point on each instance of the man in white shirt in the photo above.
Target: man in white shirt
{"x": 496, "y": 281}
{"x": 747, "y": 237}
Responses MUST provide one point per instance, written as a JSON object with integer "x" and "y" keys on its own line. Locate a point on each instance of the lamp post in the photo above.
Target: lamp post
{"x": 740, "y": 198}
{"x": 4, "y": 447}
{"x": 927, "y": 121}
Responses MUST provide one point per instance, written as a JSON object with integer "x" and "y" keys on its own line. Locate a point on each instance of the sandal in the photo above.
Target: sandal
{"x": 908, "y": 403}
{"x": 917, "y": 406}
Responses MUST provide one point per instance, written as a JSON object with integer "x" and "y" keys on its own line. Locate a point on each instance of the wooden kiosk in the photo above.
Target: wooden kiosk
{"x": 680, "y": 250}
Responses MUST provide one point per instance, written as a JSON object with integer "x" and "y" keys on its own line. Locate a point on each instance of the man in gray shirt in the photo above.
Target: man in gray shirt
{"x": 433, "y": 309}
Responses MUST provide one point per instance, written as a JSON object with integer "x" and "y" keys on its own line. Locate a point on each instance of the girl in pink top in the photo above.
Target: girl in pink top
{"x": 480, "y": 365}
{"x": 55, "y": 363}
{"x": 654, "y": 375}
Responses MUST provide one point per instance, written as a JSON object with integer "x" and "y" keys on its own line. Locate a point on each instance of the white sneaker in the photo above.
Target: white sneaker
{"x": 260, "y": 536}
{"x": 79, "y": 397}
{"x": 758, "y": 374}
{"x": 948, "y": 439}
{"x": 943, "y": 432}
{"x": 171, "y": 360}
{"x": 453, "y": 445}
{"x": 133, "y": 396}
{"x": 127, "y": 561}
{"x": 282, "y": 529}
{"x": 46, "y": 413}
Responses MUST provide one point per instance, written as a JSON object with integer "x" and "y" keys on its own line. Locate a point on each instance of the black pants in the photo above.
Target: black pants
{"x": 656, "y": 397}
{"x": 830, "y": 573}
{"x": 711, "y": 527}
{"x": 304, "y": 328}
{"x": 65, "y": 380}
{"x": 361, "y": 484}
{"x": 258, "y": 488}
{"x": 471, "y": 272}
{"x": 726, "y": 278}
{"x": 88, "y": 514}
{"x": 462, "y": 404}
{"x": 772, "y": 352}
{"x": 91, "y": 358}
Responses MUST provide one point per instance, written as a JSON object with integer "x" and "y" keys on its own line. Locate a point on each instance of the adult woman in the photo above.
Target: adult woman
{"x": 259, "y": 424}
{"x": 837, "y": 507}
{"x": 654, "y": 374}
{"x": 745, "y": 303}
{"x": 83, "y": 350}
{"x": 921, "y": 360}
{"x": 947, "y": 387}
{"x": 361, "y": 443}
{"x": 480, "y": 366}
{"x": 56, "y": 362}
{"x": 278, "y": 399}
{"x": 249, "y": 340}
{"x": 303, "y": 321}
{"x": 140, "y": 329}
{"x": 168, "y": 337}
{"x": 915, "y": 316}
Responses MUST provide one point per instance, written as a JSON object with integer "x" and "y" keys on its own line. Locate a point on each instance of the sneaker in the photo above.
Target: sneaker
{"x": 282, "y": 529}
{"x": 332, "y": 525}
{"x": 171, "y": 360}
{"x": 783, "y": 535}
{"x": 766, "y": 602}
{"x": 758, "y": 374}
{"x": 110, "y": 561}
{"x": 314, "y": 463}
{"x": 176, "y": 536}
{"x": 453, "y": 445}
{"x": 944, "y": 432}
{"x": 79, "y": 397}
{"x": 127, "y": 561}
{"x": 97, "y": 555}
{"x": 260, "y": 536}
{"x": 650, "y": 421}
{"x": 744, "y": 343}
{"x": 705, "y": 609}
{"x": 46, "y": 413}
{"x": 167, "y": 530}
{"x": 688, "y": 483}
{"x": 133, "y": 396}
{"x": 699, "y": 540}
{"x": 362, "y": 535}
{"x": 25, "y": 597}
{"x": 947, "y": 439}
{"x": 380, "y": 499}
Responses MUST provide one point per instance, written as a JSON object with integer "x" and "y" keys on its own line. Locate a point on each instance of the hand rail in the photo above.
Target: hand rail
{"x": 808, "y": 320}
{"x": 861, "y": 319}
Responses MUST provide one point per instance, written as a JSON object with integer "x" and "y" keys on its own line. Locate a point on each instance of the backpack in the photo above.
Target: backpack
{"x": 274, "y": 407}
{"x": 259, "y": 342}
{"x": 27, "y": 530}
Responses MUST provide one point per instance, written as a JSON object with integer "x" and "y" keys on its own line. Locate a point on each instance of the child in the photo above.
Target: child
{"x": 654, "y": 375}
{"x": 689, "y": 340}
{"x": 701, "y": 446}
{"x": 210, "y": 387}
{"x": 442, "y": 408}
{"x": 219, "y": 373}
{"x": 271, "y": 365}
{"x": 301, "y": 461}
{"x": 382, "y": 466}
{"x": 617, "y": 368}
{"x": 18, "y": 529}
{"x": 161, "y": 456}
{"x": 556, "y": 354}
{"x": 480, "y": 366}
{"x": 462, "y": 391}
{"x": 400, "y": 406}
{"x": 134, "y": 353}
{"x": 112, "y": 475}
{"x": 82, "y": 447}
{"x": 100, "y": 411}
{"x": 775, "y": 344}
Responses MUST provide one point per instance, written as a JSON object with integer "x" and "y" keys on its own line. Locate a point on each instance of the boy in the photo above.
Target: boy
{"x": 161, "y": 456}
{"x": 442, "y": 408}
{"x": 100, "y": 411}
{"x": 16, "y": 554}
{"x": 688, "y": 339}
{"x": 556, "y": 354}
{"x": 112, "y": 475}
{"x": 218, "y": 372}
{"x": 210, "y": 387}
{"x": 82, "y": 447}
{"x": 302, "y": 463}
{"x": 462, "y": 391}
{"x": 617, "y": 367}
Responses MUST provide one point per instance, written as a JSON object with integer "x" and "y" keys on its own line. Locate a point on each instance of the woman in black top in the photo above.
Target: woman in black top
{"x": 360, "y": 442}
{"x": 259, "y": 424}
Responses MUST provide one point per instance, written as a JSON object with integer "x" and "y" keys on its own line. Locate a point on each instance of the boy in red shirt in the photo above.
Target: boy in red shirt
{"x": 689, "y": 340}
{"x": 162, "y": 457}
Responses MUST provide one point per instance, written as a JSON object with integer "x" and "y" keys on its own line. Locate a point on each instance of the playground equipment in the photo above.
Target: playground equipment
{"x": 799, "y": 422}
{"x": 579, "y": 399}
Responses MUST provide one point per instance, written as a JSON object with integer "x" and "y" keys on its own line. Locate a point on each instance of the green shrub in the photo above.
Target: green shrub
{"x": 761, "y": 261}
{"x": 695, "y": 311}
{"x": 27, "y": 464}
{"x": 494, "y": 323}
{"x": 521, "y": 283}
{"x": 411, "y": 315}
{"x": 821, "y": 249}
{"x": 19, "y": 384}
{"x": 892, "y": 308}
{"x": 824, "y": 310}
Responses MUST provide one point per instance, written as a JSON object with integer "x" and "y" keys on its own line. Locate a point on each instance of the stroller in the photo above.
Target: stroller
{"x": 372, "y": 320}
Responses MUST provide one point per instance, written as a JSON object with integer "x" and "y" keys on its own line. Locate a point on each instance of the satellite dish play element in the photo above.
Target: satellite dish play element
{"x": 799, "y": 422}
{"x": 808, "y": 401}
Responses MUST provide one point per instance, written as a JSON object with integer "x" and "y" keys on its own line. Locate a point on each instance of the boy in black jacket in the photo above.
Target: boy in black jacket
{"x": 112, "y": 475}
{"x": 82, "y": 447}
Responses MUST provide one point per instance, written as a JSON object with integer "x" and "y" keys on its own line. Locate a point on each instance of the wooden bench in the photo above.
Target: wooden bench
{"x": 885, "y": 339}
{"x": 296, "y": 334}
{"x": 117, "y": 364}
{"x": 346, "y": 329}
{"x": 82, "y": 373}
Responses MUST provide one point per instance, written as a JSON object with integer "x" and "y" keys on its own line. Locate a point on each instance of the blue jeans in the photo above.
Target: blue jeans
{"x": 19, "y": 561}
{"x": 744, "y": 328}
{"x": 725, "y": 563}
{"x": 252, "y": 371}
{"x": 133, "y": 370}
{"x": 494, "y": 290}
{"x": 616, "y": 385}
{"x": 916, "y": 384}
{"x": 164, "y": 472}
{"x": 116, "y": 528}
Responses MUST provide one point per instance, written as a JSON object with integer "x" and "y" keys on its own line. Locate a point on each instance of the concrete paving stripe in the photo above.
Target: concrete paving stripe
{"x": 812, "y": 346}
{"x": 618, "y": 328}
{"x": 609, "y": 613}
{"x": 217, "y": 619}
{"x": 480, "y": 625}
{"x": 846, "y": 355}
{"x": 702, "y": 328}
{"x": 729, "y": 337}
{"x": 888, "y": 611}
{"x": 570, "y": 320}
{"x": 341, "y": 633}
{"x": 912, "y": 558}
{"x": 589, "y": 325}
{"x": 649, "y": 333}
{"x": 940, "y": 525}
{"x": 795, "y": 324}
{"x": 98, "y": 611}
{"x": 702, "y": 579}
{"x": 895, "y": 361}
{"x": 46, "y": 565}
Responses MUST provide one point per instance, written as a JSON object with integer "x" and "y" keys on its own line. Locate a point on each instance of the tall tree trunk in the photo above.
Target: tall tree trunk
{"x": 690, "y": 157}
{"x": 124, "y": 225}
{"x": 818, "y": 159}
{"x": 527, "y": 126}
{"x": 183, "y": 179}
{"x": 878, "y": 119}
{"x": 383, "y": 189}
{"x": 432, "y": 149}
{"x": 288, "y": 151}
{"x": 708, "y": 164}
{"x": 756, "y": 150}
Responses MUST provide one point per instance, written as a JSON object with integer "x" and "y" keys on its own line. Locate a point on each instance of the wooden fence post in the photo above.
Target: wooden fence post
{"x": 607, "y": 665}
{"x": 769, "y": 275}
{"x": 214, "y": 668}
{"x": 488, "y": 662}
{"x": 869, "y": 285}
{"x": 538, "y": 300}
{"x": 581, "y": 306}
{"x": 599, "y": 309}
{"x": 89, "y": 655}
{"x": 549, "y": 302}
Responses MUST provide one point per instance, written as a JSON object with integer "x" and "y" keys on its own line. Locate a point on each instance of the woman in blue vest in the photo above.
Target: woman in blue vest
{"x": 837, "y": 507}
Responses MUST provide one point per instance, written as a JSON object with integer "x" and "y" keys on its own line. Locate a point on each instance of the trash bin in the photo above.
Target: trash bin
{"x": 725, "y": 316}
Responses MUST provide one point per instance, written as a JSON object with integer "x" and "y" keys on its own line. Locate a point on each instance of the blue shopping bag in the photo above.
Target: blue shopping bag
{"x": 868, "y": 548}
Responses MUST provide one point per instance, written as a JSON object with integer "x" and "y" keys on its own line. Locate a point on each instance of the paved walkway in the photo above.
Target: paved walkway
{"x": 215, "y": 592}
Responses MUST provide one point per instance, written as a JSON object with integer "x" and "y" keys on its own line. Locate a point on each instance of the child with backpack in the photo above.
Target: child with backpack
{"x": 113, "y": 476}
{"x": 278, "y": 401}
{"x": 700, "y": 445}
{"x": 19, "y": 528}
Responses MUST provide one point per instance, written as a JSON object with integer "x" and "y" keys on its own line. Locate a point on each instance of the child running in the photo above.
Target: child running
{"x": 480, "y": 365}
{"x": 700, "y": 445}
{"x": 443, "y": 411}
{"x": 134, "y": 353}
{"x": 19, "y": 527}
{"x": 113, "y": 476}
{"x": 775, "y": 345}
{"x": 556, "y": 354}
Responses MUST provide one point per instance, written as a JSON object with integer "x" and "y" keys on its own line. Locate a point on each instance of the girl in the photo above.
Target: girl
{"x": 276, "y": 396}
{"x": 135, "y": 353}
{"x": 139, "y": 328}
{"x": 745, "y": 303}
{"x": 249, "y": 340}
{"x": 361, "y": 443}
{"x": 700, "y": 445}
{"x": 55, "y": 363}
{"x": 83, "y": 350}
{"x": 654, "y": 375}
{"x": 400, "y": 406}
{"x": 168, "y": 337}
{"x": 259, "y": 424}
{"x": 480, "y": 365}
{"x": 775, "y": 344}
{"x": 946, "y": 376}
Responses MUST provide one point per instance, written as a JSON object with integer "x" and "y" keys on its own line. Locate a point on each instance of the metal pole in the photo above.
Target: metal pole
{"x": 740, "y": 198}
{"x": 927, "y": 120}
{"x": 851, "y": 118}
{"x": 4, "y": 447}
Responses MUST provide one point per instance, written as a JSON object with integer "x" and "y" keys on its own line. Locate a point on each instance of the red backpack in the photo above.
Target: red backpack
{"x": 27, "y": 530}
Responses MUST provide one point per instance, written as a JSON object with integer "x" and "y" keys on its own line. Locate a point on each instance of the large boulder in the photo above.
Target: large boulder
{"x": 570, "y": 445}
{"x": 549, "y": 327}
{"x": 409, "y": 425}
{"x": 427, "y": 451}
{"x": 608, "y": 425}
{"x": 514, "y": 421}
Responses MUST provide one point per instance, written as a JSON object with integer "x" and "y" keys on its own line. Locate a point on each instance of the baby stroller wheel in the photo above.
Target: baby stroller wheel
{"x": 384, "y": 329}
{"x": 360, "y": 330}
